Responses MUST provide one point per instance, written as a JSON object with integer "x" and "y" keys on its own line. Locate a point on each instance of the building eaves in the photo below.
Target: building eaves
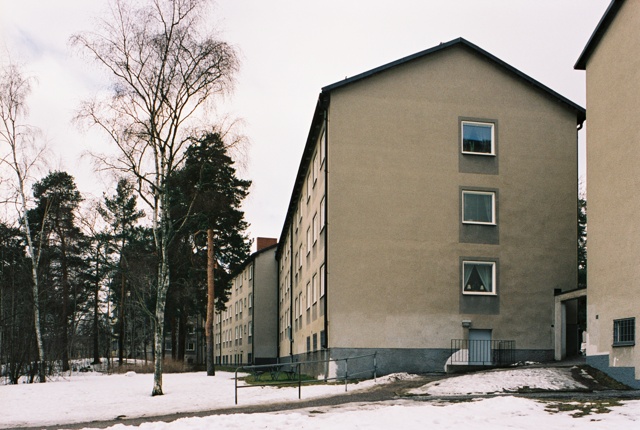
{"x": 598, "y": 33}
{"x": 581, "y": 112}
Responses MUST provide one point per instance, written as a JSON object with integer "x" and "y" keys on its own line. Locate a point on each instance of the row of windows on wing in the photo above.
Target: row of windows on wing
{"x": 478, "y": 207}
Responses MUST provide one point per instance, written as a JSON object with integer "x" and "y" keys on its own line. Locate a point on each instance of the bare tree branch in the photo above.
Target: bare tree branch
{"x": 165, "y": 70}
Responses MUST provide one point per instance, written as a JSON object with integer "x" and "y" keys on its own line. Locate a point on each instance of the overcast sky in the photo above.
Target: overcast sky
{"x": 289, "y": 50}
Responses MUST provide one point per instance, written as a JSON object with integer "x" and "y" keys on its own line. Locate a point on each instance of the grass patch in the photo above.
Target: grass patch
{"x": 276, "y": 377}
{"x": 578, "y": 409}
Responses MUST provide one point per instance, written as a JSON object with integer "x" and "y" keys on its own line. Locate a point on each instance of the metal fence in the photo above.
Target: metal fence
{"x": 482, "y": 352}
{"x": 293, "y": 373}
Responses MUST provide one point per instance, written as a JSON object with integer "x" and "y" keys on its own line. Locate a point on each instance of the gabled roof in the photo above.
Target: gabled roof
{"x": 324, "y": 97}
{"x": 250, "y": 259}
{"x": 598, "y": 33}
{"x": 462, "y": 42}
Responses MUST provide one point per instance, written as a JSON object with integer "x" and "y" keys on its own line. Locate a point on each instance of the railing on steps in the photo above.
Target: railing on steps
{"x": 466, "y": 352}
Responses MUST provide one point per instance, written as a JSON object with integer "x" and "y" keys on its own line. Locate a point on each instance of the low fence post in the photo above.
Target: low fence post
{"x": 346, "y": 373}
{"x": 299, "y": 381}
{"x": 236, "y": 385}
{"x": 375, "y": 365}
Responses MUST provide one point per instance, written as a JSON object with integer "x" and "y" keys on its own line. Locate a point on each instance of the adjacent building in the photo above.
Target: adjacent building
{"x": 245, "y": 333}
{"x": 612, "y": 63}
{"x": 435, "y": 204}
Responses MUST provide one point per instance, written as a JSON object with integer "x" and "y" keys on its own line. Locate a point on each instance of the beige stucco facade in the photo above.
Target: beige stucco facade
{"x": 245, "y": 331}
{"x": 612, "y": 68}
{"x": 395, "y": 242}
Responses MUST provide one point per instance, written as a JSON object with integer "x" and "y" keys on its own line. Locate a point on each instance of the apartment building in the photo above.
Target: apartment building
{"x": 436, "y": 201}
{"x": 245, "y": 331}
{"x": 611, "y": 61}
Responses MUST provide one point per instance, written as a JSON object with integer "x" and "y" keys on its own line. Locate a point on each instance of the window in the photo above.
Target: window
{"x": 308, "y": 295}
{"x": 191, "y": 346}
{"x": 309, "y": 243}
{"x": 322, "y": 281}
{"x": 322, "y": 210}
{"x": 478, "y": 277}
{"x": 300, "y": 256}
{"x": 251, "y": 272}
{"x": 477, "y": 138}
{"x": 309, "y": 183}
{"x": 314, "y": 288}
{"x": 315, "y": 228}
{"x": 323, "y": 146}
{"x": 250, "y": 300}
{"x": 478, "y": 207}
{"x": 624, "y": 332}
{"x": 316, "y": 168}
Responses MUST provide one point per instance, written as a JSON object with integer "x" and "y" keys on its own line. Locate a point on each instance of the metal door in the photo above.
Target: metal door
{"x": 480, "y": 347}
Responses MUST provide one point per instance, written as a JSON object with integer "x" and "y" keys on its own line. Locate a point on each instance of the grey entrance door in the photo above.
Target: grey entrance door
{"x": 479, "y": 347}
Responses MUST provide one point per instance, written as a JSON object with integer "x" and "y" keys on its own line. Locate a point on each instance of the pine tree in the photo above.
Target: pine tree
{"x": 206, "y": 197}
{"x": 57, "y": 200}
{"x": 122, "y": 215}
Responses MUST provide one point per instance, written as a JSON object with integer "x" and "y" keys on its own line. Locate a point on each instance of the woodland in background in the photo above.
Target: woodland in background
{"x": 98, "y": 266}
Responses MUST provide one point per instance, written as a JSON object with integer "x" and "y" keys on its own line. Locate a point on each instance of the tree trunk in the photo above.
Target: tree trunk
{"x": 211, "y": 368}
{"x": 65, "y": 307}
{"x": 96, "y": 307}
{"x": 161, "y": 301}
{"x": 174, "y": 343}
{"x": 121, "y": 320}
{"x": 182, "y": 334}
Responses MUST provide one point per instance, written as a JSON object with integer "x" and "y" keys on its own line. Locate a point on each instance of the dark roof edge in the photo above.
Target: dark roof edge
{"x": 461, "y": 41}
{"x": 303, "y": 168}
{"x": 597, "y": 34}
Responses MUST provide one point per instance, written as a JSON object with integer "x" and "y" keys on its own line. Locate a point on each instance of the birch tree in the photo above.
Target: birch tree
{"x": 165, "y": 70}
{"x": 19, "y": 154}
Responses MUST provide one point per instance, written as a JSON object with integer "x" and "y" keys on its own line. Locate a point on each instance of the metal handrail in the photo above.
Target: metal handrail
{"x": 298, "y": 375}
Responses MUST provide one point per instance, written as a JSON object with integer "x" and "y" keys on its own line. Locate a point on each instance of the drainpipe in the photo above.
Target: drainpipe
{"x": 326, "y": 227}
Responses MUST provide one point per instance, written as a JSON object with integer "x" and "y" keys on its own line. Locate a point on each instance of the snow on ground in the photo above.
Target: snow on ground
{"x": 88, "y": 397}
{"x": 503, "y": 381}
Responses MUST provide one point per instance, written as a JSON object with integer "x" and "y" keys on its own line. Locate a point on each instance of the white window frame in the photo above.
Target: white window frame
{"x": 494, "y": 283}
{"x": 493, "y": 206}
{"x": 309, "y": 185}
{"x": 300, "y": 257}
{"x": 308, "y": 295}
{"x": 314, "y": 288}
{"x": 300, "y": 304}
{"x": 315, "y": 228}
{"x": 323, "y": 146}
{"x": 493, "y": 137}
{"x": 316, "y": 168}
{"x": 309, "y": 243}
{"x": 322, "y": 281}
{"x": 322, "y": 213}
